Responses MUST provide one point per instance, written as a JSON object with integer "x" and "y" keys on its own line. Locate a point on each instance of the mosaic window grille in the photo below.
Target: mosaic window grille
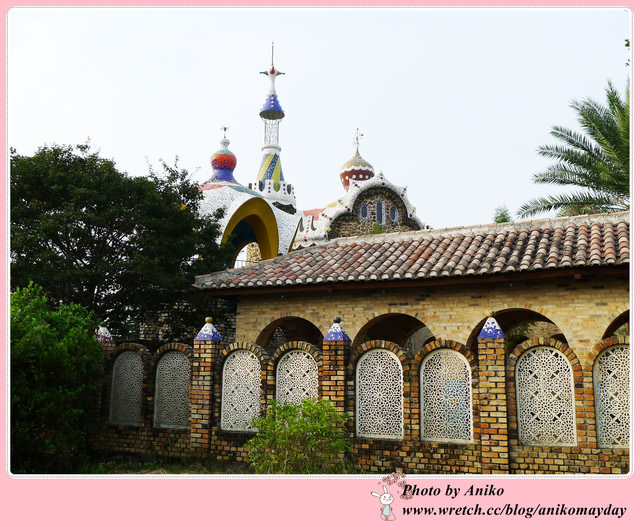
{"x": 612, "y": 384}
{"x": 365, "y": 211}
{"x": 296, "y": 377}
{"x": 173, "y": 376}
{"x": 445, "y": 384}
{"x": 379, "y": 411}
{"x": 381, "y": 216}
{"x": 394, "y": 214}
{"x": 544, "y": 391}
{"x": 126, "y": 390}
{"x": 240, "y": 391}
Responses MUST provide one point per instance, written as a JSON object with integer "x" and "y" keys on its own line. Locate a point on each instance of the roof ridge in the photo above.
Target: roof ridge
{"x": 487, "y": 228}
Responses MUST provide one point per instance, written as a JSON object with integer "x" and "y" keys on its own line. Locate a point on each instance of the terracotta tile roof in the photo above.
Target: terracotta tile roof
{"x": 556, "y": 243}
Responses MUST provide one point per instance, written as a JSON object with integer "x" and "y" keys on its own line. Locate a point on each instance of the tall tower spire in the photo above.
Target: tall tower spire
{"x": 271, "y": 181}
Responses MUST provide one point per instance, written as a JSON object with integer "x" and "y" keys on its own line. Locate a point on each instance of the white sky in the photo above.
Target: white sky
{"x": 453, "y": 102}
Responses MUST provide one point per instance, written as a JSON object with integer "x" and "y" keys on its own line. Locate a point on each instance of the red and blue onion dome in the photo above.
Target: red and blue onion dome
{"x": 223, "y": 162}
{"x": 356, "y": 169}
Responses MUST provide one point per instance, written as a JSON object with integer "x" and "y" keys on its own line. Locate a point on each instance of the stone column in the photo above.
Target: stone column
{"x": 335, "y": 349}
{"x": 206, "y": 348}
{"x": 492, "y": 392}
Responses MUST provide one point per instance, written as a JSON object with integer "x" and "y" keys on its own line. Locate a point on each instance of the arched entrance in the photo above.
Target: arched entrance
{"x": 253, "y": 221}
{"x": 288, "y": 329}
{"x": 405, "y": 331}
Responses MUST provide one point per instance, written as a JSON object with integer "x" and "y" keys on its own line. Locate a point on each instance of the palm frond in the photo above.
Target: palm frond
{"x": 596, "y": 161}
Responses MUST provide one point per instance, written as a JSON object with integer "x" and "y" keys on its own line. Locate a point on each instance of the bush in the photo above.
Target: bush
{"x": 56, "y": 368}
{"x": 305, "y": 438}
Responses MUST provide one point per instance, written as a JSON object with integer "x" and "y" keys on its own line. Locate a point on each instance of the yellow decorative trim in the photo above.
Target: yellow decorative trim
{"x": 258, "y": 214}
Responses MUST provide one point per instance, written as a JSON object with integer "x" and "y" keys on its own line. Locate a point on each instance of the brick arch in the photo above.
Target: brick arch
{"x": 295, "y": 328}
{"x": 356, "y": 355}
{"x": 174, "y": 346}
{"x": 396, "y": 326}
{"x": 413, "y": 379}
{"x": 280, "y": 352}
{"x": 578, "y": 387}
{"x": 148, "y": 379}
{"x": 590, "y": 402}
{"x": 617, "y": 321}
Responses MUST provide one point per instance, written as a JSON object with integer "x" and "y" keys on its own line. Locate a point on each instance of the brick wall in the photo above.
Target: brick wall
{"x": 581, "y": 308}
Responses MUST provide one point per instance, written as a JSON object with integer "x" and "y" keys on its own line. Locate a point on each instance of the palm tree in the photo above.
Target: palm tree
{"x": 597, "y": 162}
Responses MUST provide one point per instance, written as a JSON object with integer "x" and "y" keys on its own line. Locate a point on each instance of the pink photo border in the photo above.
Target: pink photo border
{"x": 83, "y": 501}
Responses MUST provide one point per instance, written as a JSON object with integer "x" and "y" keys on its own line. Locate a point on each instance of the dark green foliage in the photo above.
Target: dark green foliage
{"x": 502, "y": 215}
{"x": 127, "y": 248}
{"x": 306, "y": 438}
{"x": 376, "y": 228}
{"x": 518, "y": 334}
{"x": 56, "y": 369}
{"x": 596, "y": 163}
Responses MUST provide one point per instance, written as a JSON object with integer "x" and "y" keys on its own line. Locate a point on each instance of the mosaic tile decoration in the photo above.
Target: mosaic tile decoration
{"x": 491, "y": 330}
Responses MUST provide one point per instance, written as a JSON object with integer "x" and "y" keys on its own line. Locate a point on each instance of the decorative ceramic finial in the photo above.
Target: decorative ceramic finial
{"x": 272, "y": 73}
{"x": 491, "y": 330}
{"x": 337, "y": 333}
{"x": 209, "y": 332}
{"x": 103, "y": 336}
{"x": 357, "y": 138}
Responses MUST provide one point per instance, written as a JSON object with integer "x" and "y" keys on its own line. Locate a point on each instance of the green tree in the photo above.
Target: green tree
{"x": 305, "y": 438}
{"x": 125, "y": 247}
{"x": 502, "y": 215}
{"x": 596, "y": 161}
{"x": 56, "y": 370}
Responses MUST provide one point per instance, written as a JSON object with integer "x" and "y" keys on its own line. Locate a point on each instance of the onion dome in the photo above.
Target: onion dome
{"x": 356, "y": 169}
{"x": 223, "y": 162}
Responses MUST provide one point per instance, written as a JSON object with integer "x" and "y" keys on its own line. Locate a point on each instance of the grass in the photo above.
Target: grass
{"x": 130, "y": 465}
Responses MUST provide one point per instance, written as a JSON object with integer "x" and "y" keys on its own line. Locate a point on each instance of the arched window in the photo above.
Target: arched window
{"x": 240, "y": 391}
{"x": 612, "y": 385}
{"x": 379, "y": 412}
{"x": 296, "y": 377}
{"x": 381, "y": 216}
{"x": 365, "y": 211}
{"x": 173, "y": 376}
{"x": 445, "y": 386}
{"x": 545, "y": 397}
{"x": 394, "y": 214}
{"x": 126, "y": 390}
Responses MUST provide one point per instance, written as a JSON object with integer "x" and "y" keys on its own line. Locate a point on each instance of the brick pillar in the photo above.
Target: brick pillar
{"x": 108, "y": 350}
{"x": 206, "y": 349}
{"x": 335, "y": 349}
{"x": 492, "y": 392}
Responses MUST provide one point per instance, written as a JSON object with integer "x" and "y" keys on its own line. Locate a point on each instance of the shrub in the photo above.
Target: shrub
{"x": 56, "y": 367}
{"x": 305, "y": 438}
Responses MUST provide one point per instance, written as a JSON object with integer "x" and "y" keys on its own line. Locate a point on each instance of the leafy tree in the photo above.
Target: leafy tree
{"x": 596, "y": 161}
{"x": 56, "y": 369}
{"x": 125, "y": 247}
{"x": 305, "y": 438}
{"x": 502, "y": 215}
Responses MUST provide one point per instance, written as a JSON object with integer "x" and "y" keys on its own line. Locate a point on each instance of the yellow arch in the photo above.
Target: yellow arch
{"x": 258, "y": 214}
